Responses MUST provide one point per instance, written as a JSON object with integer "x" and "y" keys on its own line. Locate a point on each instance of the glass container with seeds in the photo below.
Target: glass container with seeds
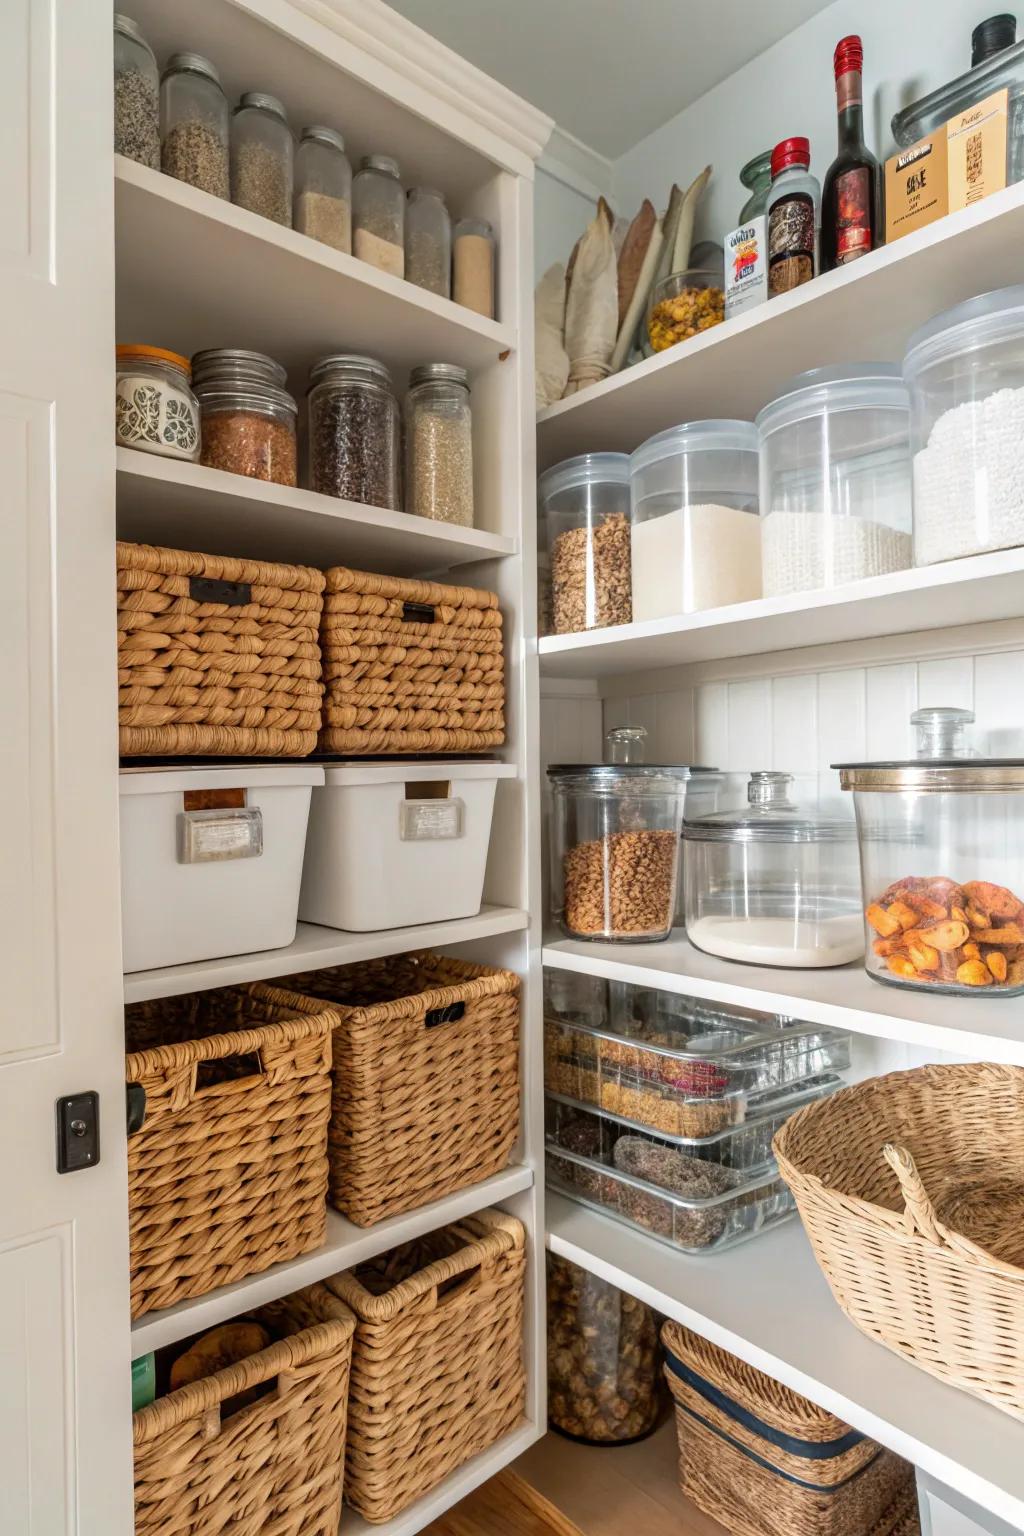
{"x": 439, "y": 444}
{"x": 136, "y": 95}
{"x": 586, "y": 510}
{"x": 248, "y": 416}
{"x": 378, "y": 215}
{"x": 354, "y": 431}
{"x": 473, "y": 266}
{"x": 428, "y": 241}
{"x": 262, "y": 157}
{"x": 323, "y": 188}
{"x": 194, "y": 118}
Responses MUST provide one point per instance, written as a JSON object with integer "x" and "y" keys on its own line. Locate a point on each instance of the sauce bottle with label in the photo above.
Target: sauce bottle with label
{"x": 792, "y": 218}
{"x": 852, "y": 221}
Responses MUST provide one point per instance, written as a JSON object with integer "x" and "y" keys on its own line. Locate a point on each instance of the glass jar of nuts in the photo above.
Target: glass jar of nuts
{"x": 682, "y": 306}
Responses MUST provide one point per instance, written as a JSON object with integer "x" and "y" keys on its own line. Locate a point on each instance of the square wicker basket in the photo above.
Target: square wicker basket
{"x": 410, "y": 666}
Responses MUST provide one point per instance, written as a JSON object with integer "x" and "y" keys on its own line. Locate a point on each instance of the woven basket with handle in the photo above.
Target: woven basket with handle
{"x": 410, "y": 666}
{"x": 215, "y": 655}
{"x": 911, "y": 1188}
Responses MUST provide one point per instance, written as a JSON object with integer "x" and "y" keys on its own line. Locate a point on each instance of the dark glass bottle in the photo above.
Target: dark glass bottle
{"x": 852, "y": 222}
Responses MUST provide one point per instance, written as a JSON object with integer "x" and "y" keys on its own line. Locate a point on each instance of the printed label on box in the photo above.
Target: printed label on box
{"x": 916, "y": 186}
{"x": 977, "y": 151}
{"x": 746, "y": 267}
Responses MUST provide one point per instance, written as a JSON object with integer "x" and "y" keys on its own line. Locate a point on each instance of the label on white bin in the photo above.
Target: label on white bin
{"x": 431, "y": 821}
{"x": 206, "y": 837}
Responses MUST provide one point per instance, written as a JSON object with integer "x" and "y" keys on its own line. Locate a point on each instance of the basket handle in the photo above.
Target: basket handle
{"x": 920, "y": 1212}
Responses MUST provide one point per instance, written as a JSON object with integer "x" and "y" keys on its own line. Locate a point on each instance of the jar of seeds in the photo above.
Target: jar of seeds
{"x": 439, "y": 444}
{"x": 194, "y": 118}
{"x": 354, "y": 430}
{"x": 262, "y": 156}
{"x": 473, "y": 266}
{"x": 248, "y": 416}
{"x": 428, "y": 241}
{"x": 156, "y": 411}
{"x": 378, "y": 215}
{"x": 323, "y": 188}
{"x": 136, "y": 95}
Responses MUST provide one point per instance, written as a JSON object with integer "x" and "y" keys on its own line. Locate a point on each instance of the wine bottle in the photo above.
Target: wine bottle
{"x": 852, "y": 221}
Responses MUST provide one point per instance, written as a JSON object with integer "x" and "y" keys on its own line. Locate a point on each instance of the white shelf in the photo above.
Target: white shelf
{"x": 862, "y": 313}
{"x": 971, "y": 591}
{"x": 315, "y": 947}
{"x": 989, "y": 1029}
{"x": 194, "y": 271}
{"x": 345, "y": 1246}
{"x": 186, "y": 506}
{"x": 767, "y": 1302}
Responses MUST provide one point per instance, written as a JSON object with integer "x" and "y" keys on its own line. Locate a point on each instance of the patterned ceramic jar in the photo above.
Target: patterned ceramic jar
{"x": 156, "y": 410}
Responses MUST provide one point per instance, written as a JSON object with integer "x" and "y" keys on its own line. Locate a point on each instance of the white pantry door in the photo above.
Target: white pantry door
{"x": 65, "y": 1426}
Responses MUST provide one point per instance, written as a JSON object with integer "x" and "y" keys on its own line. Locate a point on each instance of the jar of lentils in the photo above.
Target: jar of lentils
{"x": 323, "y": 188}
{"x": 428, "y": 241}
{"x": 194, "y": 116}
{"x": 136, "y": 95}
{"x": 354, "y": 431}
{"x": 248, "y": 417}
{"x": 378, "y": 215}
{"x": 156, "y": 410}
{"x": 262, "y": 158}
{"x": 439, "y": 444}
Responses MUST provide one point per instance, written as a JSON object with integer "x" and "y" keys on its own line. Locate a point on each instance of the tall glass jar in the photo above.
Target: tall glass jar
{"x": 473, "y": 266}
{"x": 756, "y": 176}
{"x": 439, "y": 444}
{"x": 156, "y": 411}
{"x": 585, "y": 506}
{"x": 262, "y": 154}
{"x": 194, "y": 121}
{"x": 428, "y": 241}
{"x": 378, "y": 215}
{"x": 323, "y": 188}
{"x": 354, "y": 431}
{"x": 248, "y": 416}
{"x": 136, "y": 95}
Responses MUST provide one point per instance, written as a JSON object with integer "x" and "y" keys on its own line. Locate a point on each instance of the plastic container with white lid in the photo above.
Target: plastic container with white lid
{"x": 211, "y": 859}
{"x": 585, "y": 506}
{"x": 392, "y": 844}
{"x": 696, "y": 542}
{"x": 835, "y": 478}
{"x": 965, "y": 373}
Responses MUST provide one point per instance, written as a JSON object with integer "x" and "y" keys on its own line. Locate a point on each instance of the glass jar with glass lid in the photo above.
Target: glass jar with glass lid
{"x": 378, "y": 215}
{"x": 248, "y": 416}
{"x": 354, "y": 430}
{"x": 428, "y": 241}
{"x": 756, "y": 176}
{"x": 323, "y": 188}
{"x": 262, "y": 157}
{"x": 942, "y": 863}
{"x": 439, "y": 444}
{"x": 194, "y": 122}
{"x": 136, "y": 95}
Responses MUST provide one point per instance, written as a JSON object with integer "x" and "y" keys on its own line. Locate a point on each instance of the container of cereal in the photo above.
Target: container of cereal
{"x": 156, "y": 410}
{"x": 248, "y": 416}
{"x": 585, "y": 506}
{"x": 354, "y": 430}
{"x": 136, "y": 95}
{"x": 194, "y": 121}
{"x": 682, "y": 306}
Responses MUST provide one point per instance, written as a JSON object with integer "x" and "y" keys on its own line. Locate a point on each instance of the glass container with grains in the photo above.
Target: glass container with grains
{"x": 683, "y": 305}
{"x": 262, "y": 158}
{"x": 473, "y": 266}
{"x": 194, "y": 121}
{"x": 428, "y": 241}
{"x": 354, "y": 431}
{"x": 378, "y": 215}
{"x": 323, "y": 188}
{"x": 136, "y": 95}
{"x": 156, "y": 410}
{"x": 585, "y": 505}
{"x": 248, "y": 416}
{"x": 439, "y": 444}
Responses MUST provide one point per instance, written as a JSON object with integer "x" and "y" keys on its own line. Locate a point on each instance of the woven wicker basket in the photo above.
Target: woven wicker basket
{"x": 216, "y": 656}
{"x": 275, "y": 1465}
{"x": 911, "y": 1189}
{"x": 228, "y": 1173}
{"x": 426, "y": 1077}
{"x": 765, "y": 1461}
{"x": 437, "y": 1366}
{"x": 410, "y": 666}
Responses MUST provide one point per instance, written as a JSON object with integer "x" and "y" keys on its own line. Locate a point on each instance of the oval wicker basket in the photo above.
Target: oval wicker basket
{"x": 911, "y": 1187}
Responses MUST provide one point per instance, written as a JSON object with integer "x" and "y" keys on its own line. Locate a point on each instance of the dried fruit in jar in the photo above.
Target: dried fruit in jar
{"x": 687, "y": 314}
{"x": 968, "y": 935}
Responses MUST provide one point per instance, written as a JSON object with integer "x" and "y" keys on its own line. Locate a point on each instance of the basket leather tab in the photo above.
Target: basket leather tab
{"x": 418, "y": 613}
{"x": 448, "y": 1015}
{"x": 232, "y": 594}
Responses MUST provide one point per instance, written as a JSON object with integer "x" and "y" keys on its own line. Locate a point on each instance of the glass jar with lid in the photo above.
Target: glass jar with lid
{"x": 323, "y": 188}
{"x": 775, "y": 883}
{"x": 262, "y": 158}
{"x": 615, "y": 849}
{"x": 835, "y": 477}
{"x": 756, "y": 176}
{"x": 136, "y": 95}
{"x": 378, "y": 215}
{"x": 156, "y": 411}
{"x": 683, "y": 305}
{"x": 439, "y": 444}
{"x": 942, "y": 863}
{"x": 249, "y": 418}
{"x": 354, "y": 430}
{"x": 194, "y": 121}
{"x": 584, "y": 503}
{"x": 473, "y": 266}
{"x": 428, "y": 241}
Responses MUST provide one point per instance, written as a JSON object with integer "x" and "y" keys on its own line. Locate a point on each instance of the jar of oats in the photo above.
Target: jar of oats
{"x": 248, "y": 417}
{"x": 439, "y": 444}
{"x": 262, "y": 158}
{"x": 194, "y": 124}
{"x": 585, "y": 506}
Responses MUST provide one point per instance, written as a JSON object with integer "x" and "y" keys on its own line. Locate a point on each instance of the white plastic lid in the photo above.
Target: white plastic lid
{"x": 349, "y": 775}
{"x": 845, "y": 387}
{"x": 585, "y": 469}
{"x": 177, "y": 777}
{"x": 695, "y": 437}
{"x": 978, "y": 322}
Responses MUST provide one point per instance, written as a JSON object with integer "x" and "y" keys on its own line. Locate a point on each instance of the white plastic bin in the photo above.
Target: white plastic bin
{"x": 391, "y": 844}
{"x": 211, "y": 860}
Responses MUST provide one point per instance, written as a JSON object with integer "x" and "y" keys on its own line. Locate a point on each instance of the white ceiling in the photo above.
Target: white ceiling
{"x": 609, "y": 71}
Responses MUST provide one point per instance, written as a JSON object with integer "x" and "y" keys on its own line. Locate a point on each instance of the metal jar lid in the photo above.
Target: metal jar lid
{"x": 383, "y": 163}
{"x": 770, "y": 817}
{"x": 352, "y": 366}
{"x": 129, "y": 28}
{"x": 237, "y": 363}
{"x": 264, "y": 102}
{"x": 444, "y": 373}
{"x": 321, "y": 135}
{"x": 970, "y": 775}
{"x": 197, "y": 63}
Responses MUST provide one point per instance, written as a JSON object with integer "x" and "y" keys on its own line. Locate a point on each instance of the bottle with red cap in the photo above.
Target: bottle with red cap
{"x": 792, "y": 218}
{"x": 852, "y": 222}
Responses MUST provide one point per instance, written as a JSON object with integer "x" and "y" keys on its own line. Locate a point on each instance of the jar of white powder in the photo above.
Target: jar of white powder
{"x": 965, "y": 372}
{"x": 696, "y": 542}
{"x": 835, "y": 478}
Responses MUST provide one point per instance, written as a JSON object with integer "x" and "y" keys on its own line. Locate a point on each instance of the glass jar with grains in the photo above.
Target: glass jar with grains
{"x": 378, "y": 215}
{"x": 473, "y": 266}
{"x": 428, "y": 241}
{"x": 323, "y": 188}
{"x": 262, "y": 158}
{"x": 194, "y": 118}
{"x": 248, "y": 415}
{"x": 439, "y": 444}
{"x": 156, "y": 410}
{"x": 136, "y": 95}
{"x": 584, "y": 503}
{"x": 354, "y": 431}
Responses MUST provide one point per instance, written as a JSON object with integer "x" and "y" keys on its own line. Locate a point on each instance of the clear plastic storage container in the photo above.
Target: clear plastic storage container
{"x": 615, "y": 849}
{"x": 439, "y": 444}
{"x": 585, "y": 506}
{"x": 136, "y": 95}
{"x": 696, "y": 541}
{"x": 683, "y": 305}
{"x": 249, "y": 418}
{"x": 194, "y": 124}
{"x": 776, "y": 883}
{"x": 835, "y": 478}
{"x": 965, "y": 372}
{"x": 323, "y": 188}
{"x": 354, "y": 431}
{"x": 942, "y": 864}
{"x": 262, "y": 158}
{"x": 378, "y": 215}
{"x": 428, "y": 241}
